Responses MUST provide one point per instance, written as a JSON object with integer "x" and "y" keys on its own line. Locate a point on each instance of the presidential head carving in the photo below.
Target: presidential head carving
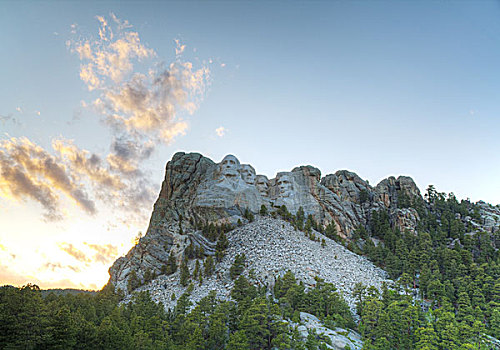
{"x": 285, "y": 185}
{"x": 247, "y": 173}
{"x": 262, "y": 184}
{"x": 229, "y": 166}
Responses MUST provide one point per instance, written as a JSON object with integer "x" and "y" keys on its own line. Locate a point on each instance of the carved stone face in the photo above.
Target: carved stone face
{"x": 262, "y": 184}
{"x": 247, "y": 173}
{"x": 285, "y": 185}
{"x": 229, "y": 166}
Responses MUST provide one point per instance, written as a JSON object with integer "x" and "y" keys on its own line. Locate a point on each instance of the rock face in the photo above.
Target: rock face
{"x": 198, "y": 190}
{"x": 490, "y": 217}
{"x": 339, "y": 338}
{"x": 272, "y": 247}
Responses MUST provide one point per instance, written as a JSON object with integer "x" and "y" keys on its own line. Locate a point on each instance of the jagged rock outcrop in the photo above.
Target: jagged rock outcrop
{"x": 405, "y": 219}
{"x": 389, "y": 190}
{"x": 197, "y": 190}
{"x": 490, "y": 217}
{"x": 339, "y": 338}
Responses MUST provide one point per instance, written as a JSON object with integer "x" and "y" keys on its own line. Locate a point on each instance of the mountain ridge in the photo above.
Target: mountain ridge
{"x": 197, "y": 191}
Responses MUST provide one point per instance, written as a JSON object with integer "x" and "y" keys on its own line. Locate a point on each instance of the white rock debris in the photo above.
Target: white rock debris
{"x": 272, "y": 247}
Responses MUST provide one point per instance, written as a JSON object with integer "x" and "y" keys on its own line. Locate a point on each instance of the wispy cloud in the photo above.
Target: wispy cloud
{"x": 90, "y": 253}
{"x": 140, "y": 97}
{"x": 105, "y": 253}
{"x": 58, "y": 266}
{"x": 29, "y": 171}
{"x": 220, "y": 131}
{"x": 179, "y": 48}
{"x": 75, "y": 253}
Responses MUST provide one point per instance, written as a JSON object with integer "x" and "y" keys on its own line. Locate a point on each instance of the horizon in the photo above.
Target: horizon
{"x": 97, "y": 101}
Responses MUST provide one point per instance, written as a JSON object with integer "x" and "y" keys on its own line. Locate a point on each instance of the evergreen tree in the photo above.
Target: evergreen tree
{"x": 221, "y": 246}
{"x": 184, "y": 275}
{"x": 263, "y": 210}
{"x": 209, "y": 266}
{"x": 238, "y": 266}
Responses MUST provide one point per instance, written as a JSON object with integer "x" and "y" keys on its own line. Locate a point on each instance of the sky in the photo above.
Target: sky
{"x": 96, "y": 97}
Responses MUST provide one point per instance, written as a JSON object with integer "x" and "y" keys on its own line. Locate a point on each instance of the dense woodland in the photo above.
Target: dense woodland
{"x": 446, "y": 295}
{"x": 29, "y": 320}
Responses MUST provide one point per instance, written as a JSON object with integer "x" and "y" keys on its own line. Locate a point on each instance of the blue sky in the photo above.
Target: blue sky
{"x": 379, "y": 88}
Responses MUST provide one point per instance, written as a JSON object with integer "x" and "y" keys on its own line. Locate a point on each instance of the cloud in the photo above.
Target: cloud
{"x": 110, "y": 58}
{"x": 105, "y": 253}
{"x": 139, "y": 105}
{"x": 28, "y": 171}
{"x": 115, "y": 180}
{"x": 101, "y": 253}
{"x": 75, "y": 253}
{"x": 58, "y": 266}
{"x": 220, "y": 131}
{"x": 179, "y": 48}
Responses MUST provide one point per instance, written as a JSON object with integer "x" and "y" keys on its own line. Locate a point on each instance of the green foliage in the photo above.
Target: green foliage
{"x": 238, "y": 266}
{"x": 212, "y": 231}
{"x": 263, "y": 210}
{"x": 184, "y": 274}
{"x": 331, "y": 231}
{"x": 455, "y": 281}
{"x": 171, "y": 266}
{"x": 133, "y": 281}
{"x": 194, "y": 252}
{"x": 221, "y": 246}
{"x": 323, "y": 301}
{"x": 249, "y": 215}
{"x": 209, "y": 266}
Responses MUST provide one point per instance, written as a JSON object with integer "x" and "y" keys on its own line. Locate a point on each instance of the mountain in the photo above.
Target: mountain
{"x": 196, "y": 191}
{"x": 213, "y": 222}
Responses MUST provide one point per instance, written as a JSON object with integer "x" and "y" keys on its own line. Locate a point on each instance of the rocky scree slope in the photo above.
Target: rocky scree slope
{"x": 272, "y": 247}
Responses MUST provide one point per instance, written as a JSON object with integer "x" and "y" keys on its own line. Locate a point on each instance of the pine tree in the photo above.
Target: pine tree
{"x": 184, "y": 275}
{"x": 209, "y": 266}
{"x": 133, "y": 281}
{"x": 238, "y": 341}
{"x": 197, "y": 270}
{"x": 255, "y": 324}
{"x": 238, "y": 266}
{"x": 263, "y": 210}
{"x": 221, "y": 246}
{"x": 426, "y": 338}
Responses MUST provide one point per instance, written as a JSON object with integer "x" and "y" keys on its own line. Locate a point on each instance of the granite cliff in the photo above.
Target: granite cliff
{"x": 197, "y": 191}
